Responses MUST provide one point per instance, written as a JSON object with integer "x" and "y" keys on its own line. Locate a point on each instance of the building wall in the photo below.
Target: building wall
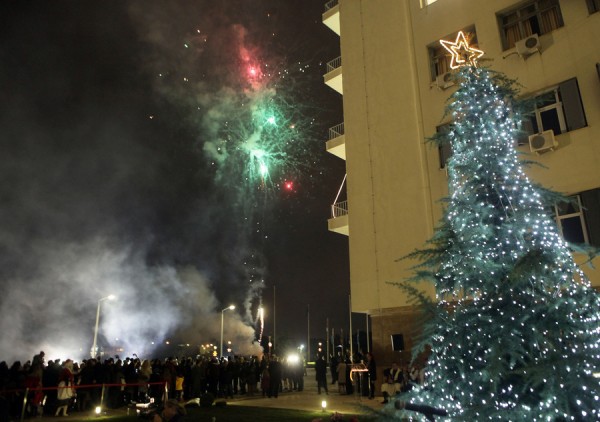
{"x": 385, "y": 160}
{"x": 391, "y": 106}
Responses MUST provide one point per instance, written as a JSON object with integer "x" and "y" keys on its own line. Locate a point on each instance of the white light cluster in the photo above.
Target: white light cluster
{"x": 517, "y": 333}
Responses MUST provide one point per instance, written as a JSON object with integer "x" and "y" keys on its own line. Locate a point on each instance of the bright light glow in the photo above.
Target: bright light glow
{"x": 462, "y": 53}
{"x": 98, "y": 410}
{"x": 324, "y": 405}
{"x": 261, "y": 321}
{"x": 264, "y": 170}
{"x": 293, "y": 358}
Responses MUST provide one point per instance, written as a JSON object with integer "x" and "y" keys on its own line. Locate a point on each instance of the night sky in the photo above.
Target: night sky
{"x": 112, "y": 180}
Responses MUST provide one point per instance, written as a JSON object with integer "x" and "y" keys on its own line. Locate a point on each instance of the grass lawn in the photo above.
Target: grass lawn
{"x": 238, "y": 414}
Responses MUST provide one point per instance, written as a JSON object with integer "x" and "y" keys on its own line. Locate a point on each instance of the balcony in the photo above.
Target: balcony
{"x": 338, "y": 222}
{"x": 333, "y": 77}
{"x": 336, "y": 144}
{"x": 331, "y": 16}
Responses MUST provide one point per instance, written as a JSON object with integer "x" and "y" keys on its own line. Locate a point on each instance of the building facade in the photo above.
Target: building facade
{"x": 392, "y": 75}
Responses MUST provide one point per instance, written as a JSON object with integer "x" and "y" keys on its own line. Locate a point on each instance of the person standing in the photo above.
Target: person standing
{"x": 341, "y": 371}
{"x": 333, "y": 367}
{"x": 275, "y": 374}
{"x": 65, "y": 388}
{"x": 321, "y": 373}
{"x": 372, "y": 367}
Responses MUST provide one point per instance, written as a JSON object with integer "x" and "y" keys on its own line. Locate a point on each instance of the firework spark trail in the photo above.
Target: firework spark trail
{"x": 260, "y": 319}
{"x": 253, "y": 132}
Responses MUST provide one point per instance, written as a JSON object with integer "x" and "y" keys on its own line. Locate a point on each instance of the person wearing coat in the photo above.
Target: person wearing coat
{"x": 372, "y": 367}
{"x": 66, "y": 380}
{"x": 321, "y": 371}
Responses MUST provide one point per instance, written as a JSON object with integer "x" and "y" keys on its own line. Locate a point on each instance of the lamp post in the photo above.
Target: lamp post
{"x": 230, "y": 307}
{"x": 109, "y": 297}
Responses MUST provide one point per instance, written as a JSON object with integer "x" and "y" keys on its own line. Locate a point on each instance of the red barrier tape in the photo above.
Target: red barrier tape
{"x": 75, "y": 387}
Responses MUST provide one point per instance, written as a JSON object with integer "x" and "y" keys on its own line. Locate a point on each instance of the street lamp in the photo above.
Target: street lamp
{"x": 230, "y": 307}
{"x": 109, "y": 297}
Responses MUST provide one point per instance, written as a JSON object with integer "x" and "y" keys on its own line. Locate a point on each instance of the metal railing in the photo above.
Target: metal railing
{"x": 334, "y": 64}
{"x": 339, "y": 209}
{"x": 335, "y": 131}
{"x": 331, "y": 4}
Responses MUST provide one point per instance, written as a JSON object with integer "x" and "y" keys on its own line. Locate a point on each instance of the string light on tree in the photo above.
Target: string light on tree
{"x": 514, "y": 331}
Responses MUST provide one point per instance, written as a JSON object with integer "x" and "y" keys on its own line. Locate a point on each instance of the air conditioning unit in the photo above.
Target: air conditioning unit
{"x": 543, "y": 141}
{"x": 444, "y": 80}
{"x": 528, "y": 46}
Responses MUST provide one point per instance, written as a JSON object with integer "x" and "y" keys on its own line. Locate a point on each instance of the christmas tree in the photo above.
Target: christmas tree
{"x": 514, "y": 331}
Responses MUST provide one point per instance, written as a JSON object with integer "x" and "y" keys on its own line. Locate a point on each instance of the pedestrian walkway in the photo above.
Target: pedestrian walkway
{"x": 309, "y": 399}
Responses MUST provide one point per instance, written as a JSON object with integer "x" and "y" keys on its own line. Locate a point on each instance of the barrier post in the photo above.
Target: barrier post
{"x": 24, "y": 404}
{"x": 102, "y": 397}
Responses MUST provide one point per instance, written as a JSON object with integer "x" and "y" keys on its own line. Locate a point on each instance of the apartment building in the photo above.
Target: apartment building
{"x": 392, "y": 76}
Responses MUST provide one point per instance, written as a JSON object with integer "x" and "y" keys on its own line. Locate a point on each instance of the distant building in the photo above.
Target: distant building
{"x": 393, "y": 77}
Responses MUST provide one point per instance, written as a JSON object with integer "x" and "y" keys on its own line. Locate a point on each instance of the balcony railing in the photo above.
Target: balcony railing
{"x": 331, "y": 4}
{"x": 335, "y": 131}
{"x": 334, "y": 64}
{"x": 339, "y": 209}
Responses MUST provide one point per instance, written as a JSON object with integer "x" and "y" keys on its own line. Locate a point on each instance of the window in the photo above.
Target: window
{"x": 444, "y": 151}
{"x": 579, "y": 219}
{"x": 534, "y": 17}
{"x": 427, "y": 2}
{"x": 558, "y": 108}
{"x": 439, "y": 58}
{"x": 571, "y": 221}
{"x": 593, "y": 6}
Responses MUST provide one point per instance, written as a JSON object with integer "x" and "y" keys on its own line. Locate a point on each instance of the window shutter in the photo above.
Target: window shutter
{"x": 445, "y": 153}
{"x": 572, "y": 106}
{"x": 591, "y": 208}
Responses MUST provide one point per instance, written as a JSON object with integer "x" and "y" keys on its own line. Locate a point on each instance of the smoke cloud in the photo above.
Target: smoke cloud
{"x": 121, "y": 132}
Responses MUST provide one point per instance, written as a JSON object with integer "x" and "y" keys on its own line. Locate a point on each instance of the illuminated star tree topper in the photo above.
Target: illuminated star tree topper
{"x": 462, "y": 53}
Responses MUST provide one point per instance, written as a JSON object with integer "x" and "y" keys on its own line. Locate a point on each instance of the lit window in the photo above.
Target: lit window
{"x": 559, "y": 109}
{"x": 534, "y": 17}
{"x": 439, "y": 58}
{"x": 593, "y": 6}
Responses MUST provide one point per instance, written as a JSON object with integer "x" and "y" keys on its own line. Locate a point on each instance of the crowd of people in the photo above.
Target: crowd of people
{"x": 395, "y": 380}
{"x": 58, "y": 387}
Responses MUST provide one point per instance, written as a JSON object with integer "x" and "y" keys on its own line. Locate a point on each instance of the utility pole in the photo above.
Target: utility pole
{"x": 308, "y": 332}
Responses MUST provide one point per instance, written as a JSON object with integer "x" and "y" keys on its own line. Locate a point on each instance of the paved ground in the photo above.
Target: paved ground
{"x": 308, "y": 399}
